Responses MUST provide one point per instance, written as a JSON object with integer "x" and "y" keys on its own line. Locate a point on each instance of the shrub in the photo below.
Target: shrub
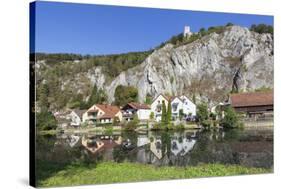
{"x": 132, "y": 125}
{"x": 206, "y": 124}
{"x": 231, "y": 119}
{"x": 151, "y": 116}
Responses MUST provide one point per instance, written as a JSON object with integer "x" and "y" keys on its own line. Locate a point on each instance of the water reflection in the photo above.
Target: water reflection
{"x": 248, "y": 148}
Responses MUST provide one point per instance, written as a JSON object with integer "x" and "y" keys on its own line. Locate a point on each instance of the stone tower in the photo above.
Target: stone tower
{"x": 186, "y": 31}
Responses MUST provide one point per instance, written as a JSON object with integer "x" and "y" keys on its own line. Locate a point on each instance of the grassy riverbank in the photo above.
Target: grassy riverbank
{"x": 110, "y": 172}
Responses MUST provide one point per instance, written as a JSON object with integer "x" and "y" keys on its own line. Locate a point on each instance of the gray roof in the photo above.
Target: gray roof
{"x": 79, "y": 112}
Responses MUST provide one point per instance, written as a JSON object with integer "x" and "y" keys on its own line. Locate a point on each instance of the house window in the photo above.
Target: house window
{"x": 158, "y": 108}
{"x": 175, "y": 106}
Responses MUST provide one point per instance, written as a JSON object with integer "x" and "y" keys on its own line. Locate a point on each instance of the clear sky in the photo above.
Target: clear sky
{"x": 97, "y": 29}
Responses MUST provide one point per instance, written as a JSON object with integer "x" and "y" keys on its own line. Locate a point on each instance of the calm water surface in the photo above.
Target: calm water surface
{"x": 248, "y": 148}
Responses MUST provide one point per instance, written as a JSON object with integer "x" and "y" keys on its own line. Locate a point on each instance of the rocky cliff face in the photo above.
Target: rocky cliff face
{"x": 208, "y": 68}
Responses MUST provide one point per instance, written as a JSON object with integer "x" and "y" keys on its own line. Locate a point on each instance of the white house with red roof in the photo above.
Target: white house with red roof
{"x": 102, "y": 113}
{"x": 133, "y": 108}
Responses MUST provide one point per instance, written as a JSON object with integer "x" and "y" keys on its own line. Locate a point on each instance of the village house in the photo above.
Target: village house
{"x": 178, "y": 104}
{"x": 182, "y": 103}
{"x": 156, "y": 106}
{"x": 102, "y": 113}
{"x": 76, "y": 116}
{"x": 253, "y": 103}
{"x": 63, "y": 119}
{"x": 133, "y": 108}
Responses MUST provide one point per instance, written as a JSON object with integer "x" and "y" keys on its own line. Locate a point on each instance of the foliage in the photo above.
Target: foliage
{"x": 230, "y": 119}
{"x": 109, "y": 130}
{"x": 169, "y": 113}
{"x": 202, "y": 112}
{"x": 110, "y": 172}
{"x": 262, "y": 28}
{"x": 115, "y": 121}
{"x": 42, "y": 94}
{"x": 45, "y": 120}
{"x": 132, "y": 125}
{"x": 151, "y": 116}
{"x": 263, "y": 89}
{"x": 58, "y": 57}
{"x": 148, "y": 99}
{"x": 125, "y": 94}
{"x": 97, "y": 96}
{"x": 164, "y": 113}
{"x": 181, "y": 114}
{"x": 206, "y": 123}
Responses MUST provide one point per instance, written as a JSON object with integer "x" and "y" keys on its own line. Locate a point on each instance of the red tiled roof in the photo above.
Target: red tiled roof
{"x": 93, "y": 110}
{"x": 138, "y": 105}
{"x": 251, "y": 99}
{"x": 109, "y": 110}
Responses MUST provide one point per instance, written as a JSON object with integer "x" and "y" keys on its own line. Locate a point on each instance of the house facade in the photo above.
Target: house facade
{"x": 182, "y": 105}
{"x": 179, "y": 104}
{"x": 156, "y": 106}
{"x": 102, "y": 113}
{"x": 133, "y": 108}
{"x": 76, "y": 117}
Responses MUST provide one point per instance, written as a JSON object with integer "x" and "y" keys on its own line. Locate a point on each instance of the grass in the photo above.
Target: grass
{"x": 110, "y": 172}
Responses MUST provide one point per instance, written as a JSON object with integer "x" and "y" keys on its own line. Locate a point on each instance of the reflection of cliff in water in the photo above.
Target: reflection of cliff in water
{"x": 234, "y": 147}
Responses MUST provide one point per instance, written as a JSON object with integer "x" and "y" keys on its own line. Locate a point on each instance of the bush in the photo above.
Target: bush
{"x": 125, "y": 94}
{"x": 132, "y": 125}
{"x": 206, "y": 124}
{"x": 157, "y": 126}
{"x": 262, "y": 28}
{"x": 231, "y": 119}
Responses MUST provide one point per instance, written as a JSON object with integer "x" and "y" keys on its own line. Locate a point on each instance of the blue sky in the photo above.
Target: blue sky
{"x": 97, "y": 29}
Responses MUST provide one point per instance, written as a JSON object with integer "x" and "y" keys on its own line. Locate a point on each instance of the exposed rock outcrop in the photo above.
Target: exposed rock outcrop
{"x": 208, "y": 68}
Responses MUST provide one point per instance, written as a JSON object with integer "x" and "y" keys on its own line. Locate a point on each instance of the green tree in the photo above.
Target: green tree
{"x": 230, "y": 119}
{"x": 125, "y": 94}
{"x": 43, "y": 93}
{"x": 151, "y": 116}
{"x": 262, "y": 28}
{"x": 45, "y": 120}
{"x": 164, "y": 113}
{"x": 169, "y": 113}
{"x": 202, "y": 112}
{"x": 181, "y": 114}
{"x": 97, "y": 96}
{"x": 148, "y": 99}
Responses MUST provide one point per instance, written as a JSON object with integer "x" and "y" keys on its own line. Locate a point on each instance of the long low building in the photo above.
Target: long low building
{"x": 253, "y": 103}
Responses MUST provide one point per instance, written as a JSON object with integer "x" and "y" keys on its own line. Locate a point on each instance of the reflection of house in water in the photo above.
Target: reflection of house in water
{"x": 142, "y": 140}
{"x": 155, "y": 147}
{"x": 68, "y": 140}
{"x": 73, "y": 140}
{"x": 182, "y": 147}
{"x": 103, "y": 143}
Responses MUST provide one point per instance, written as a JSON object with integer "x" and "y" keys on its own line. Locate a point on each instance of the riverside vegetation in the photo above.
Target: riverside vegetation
{"x": 110, "y": 172}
